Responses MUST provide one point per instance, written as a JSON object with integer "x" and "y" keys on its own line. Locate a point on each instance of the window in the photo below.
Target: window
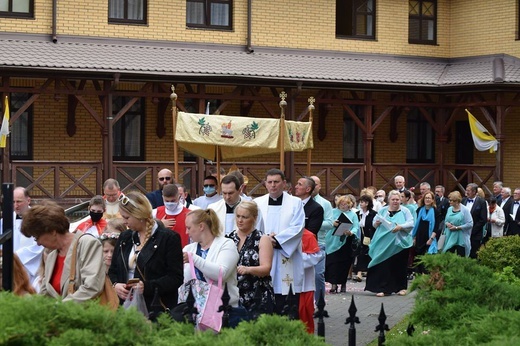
{"x": 20, "y": 137}
{"x": 17, "y": 8}
{"x": 214, "y": 14}
{"x": 353, "y": 144}
{"x": 422, "y": 22}
{"x": 355, "y": 18}
{"x": 127, "y": 11}
{"x": 128, "y": 132}
{"x": 420, "y": 138}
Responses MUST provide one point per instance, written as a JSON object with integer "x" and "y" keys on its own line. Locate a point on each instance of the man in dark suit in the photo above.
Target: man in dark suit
{"x": 514, "y": 215}
{"x": 443, "y": 203}
{"x": 506, "y": 205}
{"x": 313, "y": 210}
{"x": 478, "y": 210}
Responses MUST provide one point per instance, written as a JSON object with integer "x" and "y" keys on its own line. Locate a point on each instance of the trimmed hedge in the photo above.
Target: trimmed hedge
{"x": 37, "y": 320}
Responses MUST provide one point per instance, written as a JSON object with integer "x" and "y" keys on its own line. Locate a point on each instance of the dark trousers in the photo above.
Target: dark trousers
{"x": 459, "y": 250}
{"x": 475, "y": 246}
{"x": 280, "y": 302}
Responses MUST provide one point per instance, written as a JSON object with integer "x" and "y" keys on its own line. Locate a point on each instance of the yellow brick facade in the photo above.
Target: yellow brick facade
{"x": 464, "y": 27}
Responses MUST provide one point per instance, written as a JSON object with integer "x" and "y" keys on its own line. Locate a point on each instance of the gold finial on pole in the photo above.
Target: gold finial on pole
{"x": 283, "y": 104}
{"x": 173, "y": 98}
{"x": 309, "y": 154}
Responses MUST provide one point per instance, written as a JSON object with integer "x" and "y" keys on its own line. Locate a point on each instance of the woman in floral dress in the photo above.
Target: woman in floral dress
{"x": 255, "y": 260}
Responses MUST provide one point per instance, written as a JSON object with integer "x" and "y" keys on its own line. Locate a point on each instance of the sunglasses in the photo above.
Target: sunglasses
{"x": 125, "y": 200}
{"x": 165, "y": 178}
{"x": 209, "y": 185}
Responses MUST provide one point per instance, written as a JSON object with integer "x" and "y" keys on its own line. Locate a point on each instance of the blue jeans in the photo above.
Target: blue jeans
{"x": 319, "y": 276}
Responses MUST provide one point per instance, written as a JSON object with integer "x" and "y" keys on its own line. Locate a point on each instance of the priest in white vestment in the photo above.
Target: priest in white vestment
{"x": 225, "y": 208}
{"x": 284, "y": 220}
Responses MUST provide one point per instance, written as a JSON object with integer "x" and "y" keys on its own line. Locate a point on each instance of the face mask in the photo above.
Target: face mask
{"x": 209, "y": 190}
{"x": 95, "y": 217}
{"x": 171, "y": 206}
{"x": 380, "y": 199}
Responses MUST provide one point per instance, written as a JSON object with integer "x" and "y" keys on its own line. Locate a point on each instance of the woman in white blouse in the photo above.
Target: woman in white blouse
{"x": 212, "y": 253}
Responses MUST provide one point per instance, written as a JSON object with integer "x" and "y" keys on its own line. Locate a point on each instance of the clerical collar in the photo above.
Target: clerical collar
{"x": 276, "y": 201}
{"x": 230, "y": 209}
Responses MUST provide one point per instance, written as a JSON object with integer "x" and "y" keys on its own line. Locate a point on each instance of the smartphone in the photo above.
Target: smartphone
{"x": 132, "y": 281}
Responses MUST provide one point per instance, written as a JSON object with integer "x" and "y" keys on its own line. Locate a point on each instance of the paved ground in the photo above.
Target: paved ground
{"x": 368, "y": 308}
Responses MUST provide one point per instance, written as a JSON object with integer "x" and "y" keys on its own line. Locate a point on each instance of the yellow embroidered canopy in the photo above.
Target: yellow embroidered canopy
{"x": 238, "y": 136}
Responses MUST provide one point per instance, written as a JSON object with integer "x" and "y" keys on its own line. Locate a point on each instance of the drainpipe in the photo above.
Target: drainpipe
{"x": 54, "y": 20}
{"x": 249, "y": 49}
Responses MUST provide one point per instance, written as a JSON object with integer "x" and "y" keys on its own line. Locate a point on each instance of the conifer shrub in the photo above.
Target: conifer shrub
{"x": 38, "y": 320}
{"x": 500, "y": 253}
{"x": 459, "y": 289}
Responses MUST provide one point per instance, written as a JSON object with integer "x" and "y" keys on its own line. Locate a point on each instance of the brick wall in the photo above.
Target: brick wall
{"x": 465, "y": 27}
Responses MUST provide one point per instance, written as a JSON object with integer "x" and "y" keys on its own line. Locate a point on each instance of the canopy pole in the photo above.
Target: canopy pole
{"x": 309, "y": 151}
{"x": 173, "y": 97}
{"x": 218, "y": 168}
{"x": 283, "y": 104}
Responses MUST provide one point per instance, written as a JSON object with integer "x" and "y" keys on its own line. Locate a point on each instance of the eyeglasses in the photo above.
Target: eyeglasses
{"x": 125, "y": 200}
{"x": 208, "y": 185}
{"x": 165, "y": 178}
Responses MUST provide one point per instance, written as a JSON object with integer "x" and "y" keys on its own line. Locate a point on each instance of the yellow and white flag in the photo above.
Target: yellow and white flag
{"x": 4, "y": 131}
{"x": 481, "y": 137}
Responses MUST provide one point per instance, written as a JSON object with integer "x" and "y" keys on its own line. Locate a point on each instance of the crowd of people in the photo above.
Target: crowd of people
{"x": 290, "y": 240}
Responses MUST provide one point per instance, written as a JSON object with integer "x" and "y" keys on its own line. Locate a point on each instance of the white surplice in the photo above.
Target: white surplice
{"x": 287, "y": 222}
{"x": 228, "y": 221}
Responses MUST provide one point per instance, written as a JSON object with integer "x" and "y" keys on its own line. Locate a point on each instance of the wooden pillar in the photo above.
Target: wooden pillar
{"x": 107, "y": 133}
{"x": 369, "y": 141}
{"x": 500, "y": 136}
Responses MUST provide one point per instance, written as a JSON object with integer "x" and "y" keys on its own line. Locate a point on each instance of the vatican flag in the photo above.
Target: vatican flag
{"x": 481, "y": 137}
{"x": 4, "y": 131}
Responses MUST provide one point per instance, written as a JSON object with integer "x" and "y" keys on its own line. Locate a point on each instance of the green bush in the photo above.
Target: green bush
{"x": 37, "y": 320}
{"x": 499, "y": 253}
{"x": 459, "y": 289}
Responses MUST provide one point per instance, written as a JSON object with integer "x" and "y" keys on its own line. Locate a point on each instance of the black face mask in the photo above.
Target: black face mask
{"x": 95, "y": 216}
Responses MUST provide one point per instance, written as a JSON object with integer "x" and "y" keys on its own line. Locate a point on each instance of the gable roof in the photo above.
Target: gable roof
{"x": 136, "y": 60}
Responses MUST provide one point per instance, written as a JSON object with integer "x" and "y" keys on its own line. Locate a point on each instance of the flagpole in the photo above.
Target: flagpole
{"x": 309, "y": 151}
{"x": 173, "y": 97}
{"x": 282, "y": 104}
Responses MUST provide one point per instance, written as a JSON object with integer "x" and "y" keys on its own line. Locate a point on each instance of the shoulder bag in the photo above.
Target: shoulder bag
{"x": 108, "y": 296}
{"x": 208, "y": 299}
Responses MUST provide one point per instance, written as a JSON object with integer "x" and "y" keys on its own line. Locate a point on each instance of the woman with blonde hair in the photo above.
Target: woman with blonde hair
{"x": 389, "y": 248}
{"x": 146, "y": 253}
{"x": 255, "y": 257}
{"x": 458, "y": 226}
{"x": 212, "y": 254}
{"x": 339, "y": 247}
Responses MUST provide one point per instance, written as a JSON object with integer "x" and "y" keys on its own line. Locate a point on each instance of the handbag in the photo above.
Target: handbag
{"x": 441, "y": 241}
{"x": 136, "y": 299}
{"x": 355, "y": 246}
{"x": 208, "y": 299}
{"x": 366, "y": 240}
{"x": 108, "y": 296}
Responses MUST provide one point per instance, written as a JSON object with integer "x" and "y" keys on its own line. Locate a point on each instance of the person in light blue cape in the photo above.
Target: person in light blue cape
{"x": 458, "y": 226}
{"x": 338, "y": 247}
{"x": 388, "y": 249}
